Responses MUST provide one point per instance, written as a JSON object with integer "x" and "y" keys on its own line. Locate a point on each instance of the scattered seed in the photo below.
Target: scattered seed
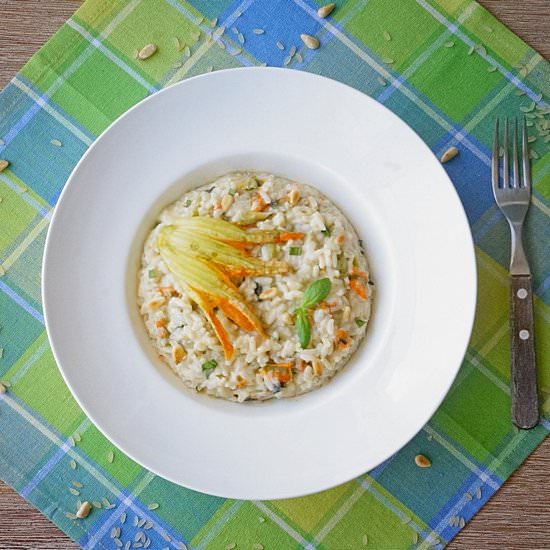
{"x": 365, "y": 540}
{"x": 177, "y": 65}
{"x": 406, "y": 519}
{"x": 22, "y": 189}
{"x": 415, "y": 537}
{"x": 388, "y": 60}
{"x": 56, "y": 142}
{"x": 310, "y": 41}
{"x": 137, "y": 545}
{"x": 468, "y": 496}
{"x": 219, "y": 31}
{"x": 449, "y": 44}
{"x": 387, "y": 36}
{"x": 236, "y": 52}
{"x": 531, "y": 139}
{"x": 449, "y": 154}
{"x": 187, "y": 51}
{"x": 299, "y": 57}
{"x": 287, "y": 60}
{"x": 261, "y": 519}
{"x": 240, "y": 37}
{"x": 182, "y": 545}
{"x": 77, "y": 437}
{"x": 478, "y": 493}
{"x": 221, "y": 44}
{"x": 72, "y": 464}
{"x": 147, "y": 51}
{"x": 128, "y": 545}
{"x": 105, "y": 501}
{"x": 123, "y": 517}
{"x": 488, "y": 29}
{"x": 292, "y": 51}
{"x": 264, "y": 64}
{"x": 197, "y": 35}
{"x": 519, "y": 92}
{"x": 230, "y": 546}
{"x": 136, "y": 521}
{"x": 177, "y": 43}
{"x": 167, "y": 537}
{"x": 4, "y": 164}
{"x": 214, "y": 22}
{"x": 110, "y": 457}
{"x": 78, "y": 484}
{"x": 147, "y": 543}
{"x": 209, "y": 69}
{"x": 235, "y": 30}
{"x": 4, "y": 382}
{"x": 3, "y": 388}
{"x": 471, "y": 50}
{"x": 141, "y": 522}
{"x": 70, "y": 515}
{"x": 135, "y": 54}
{"x": 381, "y": 81}
{"x": 258, "y": 546}
{"x": 118, "y": 543}
{"x": 258, "y": 31}
{"x": 537, "y": 99}
{"x": 74, "y": 492}
{"x": 280, "y": 45}
{"x": 84, "y": 510}
{"x": 326, "y": 10}
{"x": 481, "y": 49}
{"x": 2, "y": 142}
{"x": 139, "y": 536}
{"x": 422, "y": 461}
{"x": 527, "y": 108}
{"x": 462, "y": 523}
{"x": 72, "y": 441}
{"x": 491, "y": 69}
{"x": 115, "y": 532}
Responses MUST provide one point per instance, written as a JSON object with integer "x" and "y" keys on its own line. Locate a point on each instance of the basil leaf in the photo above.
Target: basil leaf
{"x": 209, "y": 366}
{"x": 359, "y": 322}
{"x": 316, "y": 292}
{"x": 303, "y": 327}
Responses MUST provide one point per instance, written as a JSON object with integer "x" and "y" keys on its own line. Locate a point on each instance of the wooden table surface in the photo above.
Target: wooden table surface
{"x": 518, "y": 517}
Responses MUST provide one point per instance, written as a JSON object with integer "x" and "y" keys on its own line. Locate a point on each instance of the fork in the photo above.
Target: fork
{"x": 513, "y": 195}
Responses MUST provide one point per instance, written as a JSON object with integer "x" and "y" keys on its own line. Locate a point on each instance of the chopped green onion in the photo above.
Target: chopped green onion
{"x": 153, "y": 274}
{"x": 295, "y": 251}
{"x": 359, "y": 322}
{"x": 232, "y": 192}
{"x": 326, "y": 231}
{"x": 187, "y": 203}
{"x": 209, "y": 366}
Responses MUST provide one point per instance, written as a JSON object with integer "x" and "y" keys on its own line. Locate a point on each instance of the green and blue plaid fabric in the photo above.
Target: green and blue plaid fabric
{"x": 448, "y": 68}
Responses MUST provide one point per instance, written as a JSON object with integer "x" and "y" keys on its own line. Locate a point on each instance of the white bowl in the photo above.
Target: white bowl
{"x": 314, "y": 130}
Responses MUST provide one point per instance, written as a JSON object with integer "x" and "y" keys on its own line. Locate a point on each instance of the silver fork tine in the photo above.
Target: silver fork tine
{"x": 505, "y": 162}
{"x": 495, "y": 159}
{"x": 525, "y": 157}
{"x": 515, "y": 161}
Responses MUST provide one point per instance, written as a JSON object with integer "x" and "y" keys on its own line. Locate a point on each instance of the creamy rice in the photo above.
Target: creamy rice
{"x": 330, "y": 249}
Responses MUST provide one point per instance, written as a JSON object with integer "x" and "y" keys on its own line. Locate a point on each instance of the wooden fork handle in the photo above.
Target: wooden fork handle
{"x": 525, "y": 404}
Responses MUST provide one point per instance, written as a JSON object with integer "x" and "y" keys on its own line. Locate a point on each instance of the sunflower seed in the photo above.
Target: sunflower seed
{"x": 238, "y": 13}
{"x": 531, "y": 139}
{"x": 147, "y": 543}
{"x": 56, "y": 143}
{"x": 187, "y": 51}
{"x": 4, "y": 164}
{"x": 115, "y": 532}
{"x": 139, "y": 536}
{"x": 292, "y": 51}
{"x": 230, "y": 546}
{"x": 415, "y": 537}
{"x": 449, "y": 154}
{"x": 3, "y": 388}
{"x": 420, "y": 460}
{"x": 219, "y": 31}
{"x": 235, "y": 30}
{"x": 471, "y": 50}
{"x": 4, "y": 382}
{"x": 280, "y": 45}
{"x": 326, "y": 10}
{"x": 96, "y": 504}
{"x": 468, "y": 496}
{"x": 258, "y": 31}
{"x": 84, "y": 510}
{"x": 240, "y": 37}
{"x": 147, "y": 51}
{"x": 214, "y": 22}
{"x": 105, "y": 502}
{"x": 491, "y": 69}
{"x": 478, "y": 493}
{"x": 177, "y": 43}
{"x": 123, "y": 517}
{"x": 136, "y": 521}
{"x": 148, "y": 525}
{"x": 236, "y": 52}
{"x": 77, "y": 437}
{"x": 381, "y": 81}
{"x": 299, "y": 58}
{"x": 365, "y": 540}
{"x": 118, "y": 543}
{"x": 141, "y": 522}
{"x": 182, "y": 545}
{"x": 519, "y": 92}
{"x": 528, "y": 108}
{"x": 110, "y": 457}
{"x": 388, "y": 60}
{"x": 70, "y": 515}
{"x": 462, "y": 523}
{"x": 167, "y": 537}
{"x": 128, "y": 545}
{"x": 71, "y": 441}
{"x": 387, "y": 36}
{"x": 481, "y": 49}
{"x": 78, "y": 484}
{"x": 261, "y": 519}
{"x": 449, "y": 44}
{"x": 538, "y": 98}
{"x": 258, "y": 546}
{"x": 74, "y": 492}
{"x": 310, "y": 41}
{"x": 137, "y": 545}
{"x": 287, "y": 60}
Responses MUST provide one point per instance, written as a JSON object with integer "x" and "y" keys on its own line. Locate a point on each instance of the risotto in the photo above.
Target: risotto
{"x": 254, "y": 286}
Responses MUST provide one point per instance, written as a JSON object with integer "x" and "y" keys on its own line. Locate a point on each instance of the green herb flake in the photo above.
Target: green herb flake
{"x": 295, "y": 251}
{"x": 153, "y": 274}
{"x": 209, "y": 367}
{"x": 303, "y": 327}
{"x": 359, "y": 322}
{"x": 326, "y": 231}
{"x": 187, "y": 203}
{"x": 232, "y": 192}
{"x": 316, "y": 292}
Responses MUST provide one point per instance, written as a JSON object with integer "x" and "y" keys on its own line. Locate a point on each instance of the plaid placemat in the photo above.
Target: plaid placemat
{"x": 447, "y": 67}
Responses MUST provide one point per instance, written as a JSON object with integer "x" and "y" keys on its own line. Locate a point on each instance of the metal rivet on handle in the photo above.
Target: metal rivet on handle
{"x": 524, "y": 334}
{"x": 522, "y": 293}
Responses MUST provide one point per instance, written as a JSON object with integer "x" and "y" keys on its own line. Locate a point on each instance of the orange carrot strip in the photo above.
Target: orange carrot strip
{"x": 358, "y": 288}
{"x": 289, "y": 237}
{"x": 258, "y": 203}
{"x": 356, "y": 273}
{"x": 236, "y": 316}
